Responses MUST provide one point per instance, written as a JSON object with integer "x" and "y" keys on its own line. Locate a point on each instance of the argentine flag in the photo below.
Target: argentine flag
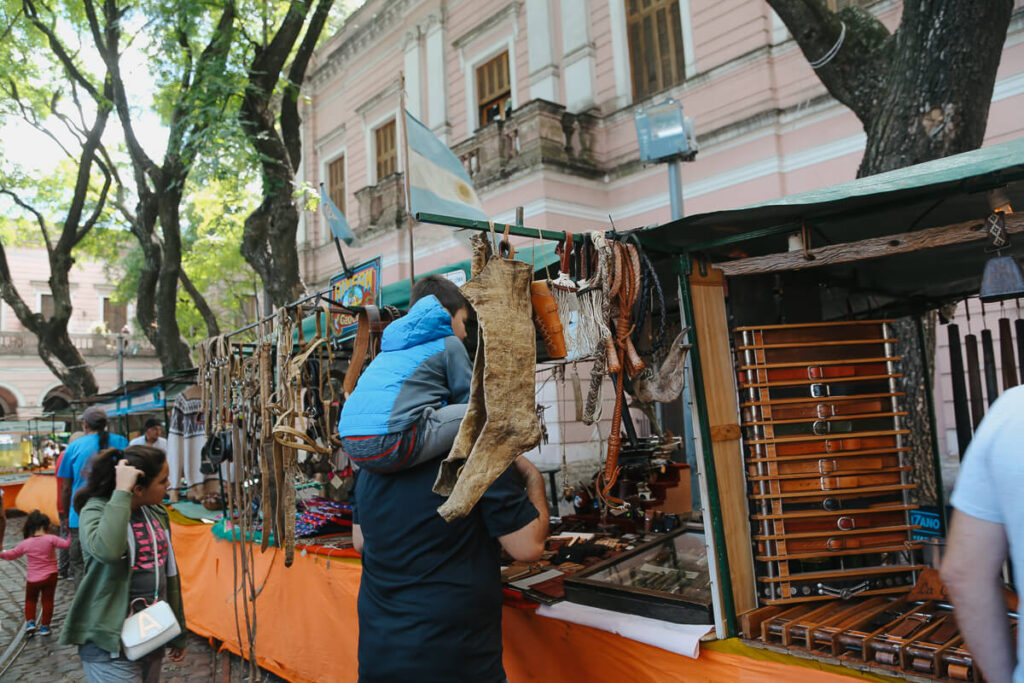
{"x": 438, "y": 183}
{"x": 339, "y": 226}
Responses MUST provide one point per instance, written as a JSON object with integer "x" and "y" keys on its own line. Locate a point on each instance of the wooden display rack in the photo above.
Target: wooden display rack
{"x": 835, "y": 449}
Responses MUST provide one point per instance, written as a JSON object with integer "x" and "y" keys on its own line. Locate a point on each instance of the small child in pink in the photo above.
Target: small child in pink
{"x": 41, "y": 578}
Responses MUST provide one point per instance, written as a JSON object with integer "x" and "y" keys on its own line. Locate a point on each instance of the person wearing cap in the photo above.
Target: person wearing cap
{"x": 74, "y": 472}
{"x": 152, "y": 436}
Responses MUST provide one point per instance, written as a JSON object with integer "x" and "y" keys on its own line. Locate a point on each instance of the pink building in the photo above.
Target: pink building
{"x": 537, "y": 98}
{"x": 27, "y": 387}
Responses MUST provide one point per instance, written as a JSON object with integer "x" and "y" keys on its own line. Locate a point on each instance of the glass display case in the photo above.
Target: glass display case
{"x": 666, "y": 578}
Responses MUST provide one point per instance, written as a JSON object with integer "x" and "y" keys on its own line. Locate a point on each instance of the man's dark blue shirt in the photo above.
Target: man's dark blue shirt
{"x": 430, "y": 597}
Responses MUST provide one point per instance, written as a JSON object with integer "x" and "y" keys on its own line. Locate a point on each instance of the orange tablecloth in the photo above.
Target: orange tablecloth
{"x": 307, "y": 628}
{"x": 38, "y": 493}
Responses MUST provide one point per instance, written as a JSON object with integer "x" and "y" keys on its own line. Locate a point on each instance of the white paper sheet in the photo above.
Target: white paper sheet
{"x": 683, "y": 639}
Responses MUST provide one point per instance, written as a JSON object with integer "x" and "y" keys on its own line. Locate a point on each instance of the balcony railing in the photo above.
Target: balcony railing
{"x": 381, "y": 206}
{"x": 540, "y": 133}
{"x": 24, "y": 343}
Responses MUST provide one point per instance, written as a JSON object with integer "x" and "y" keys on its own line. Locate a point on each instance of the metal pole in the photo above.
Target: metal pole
{"x": 675, "y": 187}
{"x": 408, "y": 190}
{"x": 120, "y": 359}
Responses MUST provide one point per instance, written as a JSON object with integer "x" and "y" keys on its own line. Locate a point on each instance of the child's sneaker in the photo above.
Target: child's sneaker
{"x": 30, "y": 627}
{"x": 44, "y": 630}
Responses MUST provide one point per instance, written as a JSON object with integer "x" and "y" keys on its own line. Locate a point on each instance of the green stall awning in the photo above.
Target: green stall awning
{"x": 397, "y": 293}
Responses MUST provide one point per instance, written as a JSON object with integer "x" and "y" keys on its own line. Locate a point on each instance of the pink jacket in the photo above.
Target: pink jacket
{"x": 41, "y": 559}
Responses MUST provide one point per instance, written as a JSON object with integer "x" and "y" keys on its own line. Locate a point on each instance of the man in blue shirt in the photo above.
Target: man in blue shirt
{"x": 74, "y": 471}
{"x": 430, "y": 596}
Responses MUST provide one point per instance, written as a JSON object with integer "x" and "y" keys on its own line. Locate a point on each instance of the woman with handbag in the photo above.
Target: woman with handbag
{"x": 128, "y": 605}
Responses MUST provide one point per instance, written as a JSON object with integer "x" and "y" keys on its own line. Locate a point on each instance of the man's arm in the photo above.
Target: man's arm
{"x": 527, "y": 543}
{"x": 65, "y": 496}
{"x": 972, "y": 570}
{"x": 357, "y": 538}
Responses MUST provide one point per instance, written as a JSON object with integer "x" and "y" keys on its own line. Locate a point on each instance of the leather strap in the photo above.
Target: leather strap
{"x": 366, "y": 317}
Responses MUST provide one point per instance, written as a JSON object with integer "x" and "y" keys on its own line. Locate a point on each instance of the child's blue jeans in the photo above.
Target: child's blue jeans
{"x": 432, "y": 436}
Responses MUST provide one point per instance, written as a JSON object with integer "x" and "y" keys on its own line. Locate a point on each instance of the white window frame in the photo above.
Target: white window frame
{"x": 325, "y": 178}
{"x": 620, "y": 49}
{"x": 479, "y": 58}
{"x": 369, "y": 128}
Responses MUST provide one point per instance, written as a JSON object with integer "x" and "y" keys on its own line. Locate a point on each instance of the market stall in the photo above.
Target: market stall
{"x": 804, "y": 320}
{"x": 811, "y": 316}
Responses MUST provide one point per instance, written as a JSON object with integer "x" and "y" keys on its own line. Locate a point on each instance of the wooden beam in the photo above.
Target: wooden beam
{"x": 712, "y": 328}
{"x": 875, "y": 247}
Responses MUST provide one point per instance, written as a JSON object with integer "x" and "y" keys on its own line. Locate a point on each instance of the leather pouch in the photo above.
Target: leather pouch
{"x": 545, "y": 316}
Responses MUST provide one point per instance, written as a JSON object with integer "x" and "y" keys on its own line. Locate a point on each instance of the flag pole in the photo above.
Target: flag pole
{"x": 408, "y": 195}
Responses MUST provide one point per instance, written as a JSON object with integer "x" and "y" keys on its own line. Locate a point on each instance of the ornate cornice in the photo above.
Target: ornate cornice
{"x": 364, "y": 32}
{"x": 509, "y": 11}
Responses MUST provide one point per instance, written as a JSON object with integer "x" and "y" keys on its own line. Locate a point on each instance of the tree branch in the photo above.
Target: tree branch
{"x": 107, "y": 38}
{"x": 59, "y": 50}
{"x": 212, "y": 328}
{"x": 290, "y": 122}
{"x": 855, "y": 75}
{"x": 268, "y": 63}
{"x": 39, "y": 217}
{"x": 100, "y": 203}
{"x": 31, "y": 320}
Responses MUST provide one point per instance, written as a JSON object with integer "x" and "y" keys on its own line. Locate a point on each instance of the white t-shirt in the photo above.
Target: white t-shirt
{"x": 140, "y": 440}
{"x": 991, "y": 482}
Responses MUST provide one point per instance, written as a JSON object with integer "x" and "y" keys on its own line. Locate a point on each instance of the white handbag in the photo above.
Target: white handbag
{"x": 154, "y": 626}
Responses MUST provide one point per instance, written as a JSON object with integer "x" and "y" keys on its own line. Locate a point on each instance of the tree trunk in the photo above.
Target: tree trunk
{"x": 65, "y": 360}
{"x": 269, "y": 236}
{"x": 922, "y": 92}
{"x": 268, "y": 244}
{"x": 160, "y": 188}
{"x": 939, "y": 83}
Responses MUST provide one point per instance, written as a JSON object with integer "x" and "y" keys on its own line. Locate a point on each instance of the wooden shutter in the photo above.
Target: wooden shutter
{"x": 655, "y": 45}
{"x": 46, "y": 305}
{"x": 387, "y": 155}
{"x": 336, "y": 182}
{"x": 493, "y": 89}
{"x": 115, "y": 316}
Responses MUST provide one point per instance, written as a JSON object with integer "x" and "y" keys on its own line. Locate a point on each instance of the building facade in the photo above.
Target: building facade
{"x": 537, "y": 99}
{"x": 27, "y": 387}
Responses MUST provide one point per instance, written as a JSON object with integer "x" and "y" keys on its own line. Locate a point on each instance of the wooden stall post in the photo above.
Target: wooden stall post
{"x": 717, "y": 392}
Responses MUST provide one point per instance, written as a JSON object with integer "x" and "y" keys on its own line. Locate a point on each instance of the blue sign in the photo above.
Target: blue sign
{"x": 929, "y": 521}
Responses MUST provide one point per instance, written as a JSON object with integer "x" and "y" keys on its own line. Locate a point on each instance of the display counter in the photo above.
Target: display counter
{"x": 307, "y": 629}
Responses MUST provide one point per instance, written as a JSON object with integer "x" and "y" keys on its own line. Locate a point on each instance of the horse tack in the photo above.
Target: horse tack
{"x": 371, "y": 323}
{"x": 626, "y": 286}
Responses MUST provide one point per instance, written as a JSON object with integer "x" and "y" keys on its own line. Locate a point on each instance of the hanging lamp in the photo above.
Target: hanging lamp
{"x": 1002, "y": 278}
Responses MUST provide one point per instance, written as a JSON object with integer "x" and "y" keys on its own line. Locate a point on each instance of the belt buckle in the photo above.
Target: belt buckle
{"x": 825, "y": 410}
{"x": 846, "y": 523}
{"x": 827, "y": 466}
{"x": 820, "y": 427}
{"x": 819, "y": 390}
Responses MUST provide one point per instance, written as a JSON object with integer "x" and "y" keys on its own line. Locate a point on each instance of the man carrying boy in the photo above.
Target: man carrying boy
{"x": 430, "y": 597}
{"x": 408, "y": 404}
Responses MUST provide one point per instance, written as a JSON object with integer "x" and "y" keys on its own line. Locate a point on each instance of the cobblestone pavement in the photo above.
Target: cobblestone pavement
{"x": 45, "y": 659}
